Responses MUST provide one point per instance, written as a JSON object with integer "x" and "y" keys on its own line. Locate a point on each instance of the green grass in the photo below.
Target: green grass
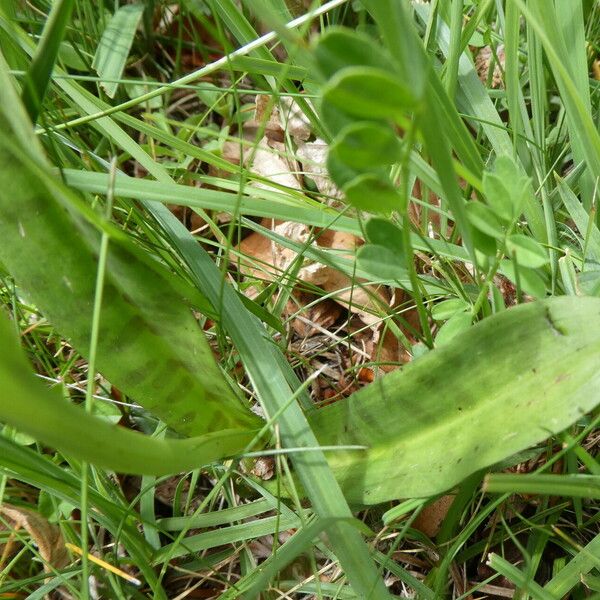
{"x": 471, "y": 198}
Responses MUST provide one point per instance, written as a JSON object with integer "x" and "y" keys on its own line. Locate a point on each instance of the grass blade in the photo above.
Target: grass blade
{"x": 40, "y": 71}
{"x": 574, "y": 486}
{"x": 115, "y": 45}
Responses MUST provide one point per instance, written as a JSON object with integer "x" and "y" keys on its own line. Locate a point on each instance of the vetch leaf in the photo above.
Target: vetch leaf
{"x": 452, "y": 327}
{"x": 506, "y": 188}
{"x": 384, "y": 233}
{"x": 528, "y": 251}
{"x": 366, "y": 145}
{"x": 448, "y": 414}
{"x": 448, "y": 308}
{"x": 381, "y": 263}
{"x": 529, "y": 280}
{"x": 115, "y": 45}
{"x": 339, "y": 171}
{"x": 369, "y": 93}
{"x": 484, "y": 243}
{"x": 485, "y": 220}
{"x": 340, "y": 47}
{"x": 373, "y": 193}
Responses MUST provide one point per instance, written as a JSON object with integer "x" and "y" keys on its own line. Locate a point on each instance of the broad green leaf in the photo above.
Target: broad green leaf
{"x": 339, "y": 48}
{"x": 369, "y": 93}
{"x": 456, "y": 324}
{"x": 372, "y": 193}
{"x": 449, "y": 414}
{"x": 506, "y": 189}
{"x": 528, "y": 251}
{"x": 150, "y": 345}
{"x": 381, "y": 263}
{"x": 485, "y": 220}
{"x": 29, "y": 406}
{"x": 115, "y": 45}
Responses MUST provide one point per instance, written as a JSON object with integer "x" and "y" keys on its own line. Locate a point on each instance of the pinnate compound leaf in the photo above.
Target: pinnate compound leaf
{"x": 503, "y": 385}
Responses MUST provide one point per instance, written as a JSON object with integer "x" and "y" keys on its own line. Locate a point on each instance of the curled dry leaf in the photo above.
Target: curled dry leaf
{"x": 264, "y": 467}
{"x": 313, "y": 156}
{"x": 46, "y": 536}
{"x": 430, "y": 519}
{"x": 483, "y": 62}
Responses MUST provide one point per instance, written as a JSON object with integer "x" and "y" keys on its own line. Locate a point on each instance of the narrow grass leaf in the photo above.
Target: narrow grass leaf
{"x": 512, "y": 573}
{"x": 574, "y": 486}
{"x": 570, "y": 575}
{"x": 47, "y": 51}
{"x": 115, "y": 46}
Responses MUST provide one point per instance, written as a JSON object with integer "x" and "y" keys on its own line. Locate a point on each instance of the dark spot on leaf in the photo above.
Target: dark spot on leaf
{"x": 188, "y": 417}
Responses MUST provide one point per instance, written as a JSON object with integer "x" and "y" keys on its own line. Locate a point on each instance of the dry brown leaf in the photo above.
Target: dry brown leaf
{"x": 313, "y": 156}
{"x": 264, "y": 467}
{"x": 294, "y": 121}
{"x": 430, "y": 519}
{"x": 46, "y": 536}
{"x": 484, "y": 61}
